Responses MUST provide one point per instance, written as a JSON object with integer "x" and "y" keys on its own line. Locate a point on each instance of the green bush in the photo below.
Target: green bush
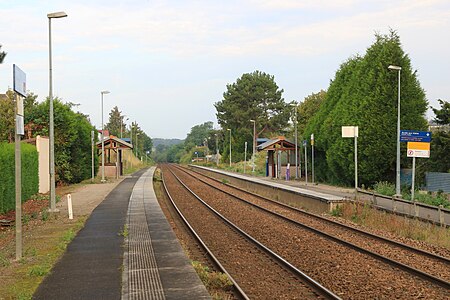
{"x": 384, "y": 188}
{"x": 30, "y": 179}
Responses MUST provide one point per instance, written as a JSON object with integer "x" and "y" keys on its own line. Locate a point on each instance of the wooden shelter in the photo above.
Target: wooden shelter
{"x": 113, "y": 155}
{"x": 280, "y": 152}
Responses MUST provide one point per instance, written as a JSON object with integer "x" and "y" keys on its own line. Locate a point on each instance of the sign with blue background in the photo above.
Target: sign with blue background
{"x": 415, "y": 136}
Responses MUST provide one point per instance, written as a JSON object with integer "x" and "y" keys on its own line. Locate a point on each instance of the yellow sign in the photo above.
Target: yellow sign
{"x": 418, "y": 146}
{"x": 418, "y": 149}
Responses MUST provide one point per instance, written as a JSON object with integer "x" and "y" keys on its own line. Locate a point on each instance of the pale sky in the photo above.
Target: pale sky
{"x": 167, "y": 62}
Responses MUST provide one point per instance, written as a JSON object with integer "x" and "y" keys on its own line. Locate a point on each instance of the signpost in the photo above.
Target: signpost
{"x": 20, "y": 87}
{"x": 352, "y": 132}
{"x": 306, "y": 162}
{"x": 417, "y": 149}
{"x": 312, "y": 158}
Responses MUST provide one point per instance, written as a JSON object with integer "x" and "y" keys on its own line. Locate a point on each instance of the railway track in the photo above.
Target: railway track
{"x": 438, "y": 267}
{"x": 253, "y": 267}
{"x": 439, "y": 285}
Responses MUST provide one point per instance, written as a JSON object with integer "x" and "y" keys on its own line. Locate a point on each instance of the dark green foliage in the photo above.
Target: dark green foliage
{"x": 364, "y": 93}
{"x": 30, "y": 180}
{"x": 72, "y": 139}
{"x": 254, "y": 96}
{"x": 439, "y": 160}
{"x": 115, "y": 122}
{"x": 2, "y": 55}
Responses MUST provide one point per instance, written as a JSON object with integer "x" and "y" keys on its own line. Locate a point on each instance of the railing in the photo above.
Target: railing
{"x": 435, "y": 214}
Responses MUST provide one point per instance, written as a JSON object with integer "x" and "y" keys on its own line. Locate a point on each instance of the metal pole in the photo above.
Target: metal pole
{"x": 312, "y": 164}
{"x": 306, "y": 165}
{"x": 51, "y": 131}
{"x": 217, "y": 149}
{"x": 121, "y": 123}
{"x": 245, "y": 156}
{"x": 254, "y": 146}
{"x": 92, "y": 154}
{"x": 230, "y": 147}
{"x": 397, "y": 186}
{"x": 413, "y": 177}
{"x": 103, "y": 146}
{"x": 296, "y": 146}
{"x": 356, "y": 163}
{"x": 18, "y": 191}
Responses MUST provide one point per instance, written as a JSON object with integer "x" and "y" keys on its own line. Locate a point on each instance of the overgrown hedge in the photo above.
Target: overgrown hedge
{"x": 30, "y": 179}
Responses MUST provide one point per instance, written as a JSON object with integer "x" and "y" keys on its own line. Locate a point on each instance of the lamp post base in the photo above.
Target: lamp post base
{"x": 53, "y": 210}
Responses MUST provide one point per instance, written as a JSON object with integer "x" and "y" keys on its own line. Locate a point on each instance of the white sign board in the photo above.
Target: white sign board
{"x": 20, "y": 129}
{"x": 349, "y": 131}
{"x": 418, "y": 153}
{"x": 20, "y": 81}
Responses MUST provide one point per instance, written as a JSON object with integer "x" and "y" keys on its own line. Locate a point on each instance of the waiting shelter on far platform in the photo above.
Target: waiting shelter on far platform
{"x": 114, "y": 148}
{"x": 280, "y": 152}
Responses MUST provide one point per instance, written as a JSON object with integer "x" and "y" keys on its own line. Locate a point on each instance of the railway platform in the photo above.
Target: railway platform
{"x": 318, "y": 199}
{"x": 127, "y": 250}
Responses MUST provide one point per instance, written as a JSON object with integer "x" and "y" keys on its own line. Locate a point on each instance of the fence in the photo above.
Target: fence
{"x": 435, "y": 214}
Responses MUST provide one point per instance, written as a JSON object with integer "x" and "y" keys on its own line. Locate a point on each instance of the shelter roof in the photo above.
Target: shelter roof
{"x": 114, "y": 143}
{"x": 279, "y": 143}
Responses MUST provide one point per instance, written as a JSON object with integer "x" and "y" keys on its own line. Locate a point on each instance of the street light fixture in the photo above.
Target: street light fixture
{"x": 397, "y": 182}
{"x": 230, "y": 144}
{"x": 51, "y": 16}
{"x": 103, "y": 140}
{"x": 296, "y": 146}
{"x": 254, "y": 145}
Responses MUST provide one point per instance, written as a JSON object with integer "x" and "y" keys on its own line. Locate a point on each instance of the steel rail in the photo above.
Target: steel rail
{"x": 315, "y": 216}
{"x": 422, "y": 274}
{"x": 312, "y": 283}
{"x": 238, "y": 290}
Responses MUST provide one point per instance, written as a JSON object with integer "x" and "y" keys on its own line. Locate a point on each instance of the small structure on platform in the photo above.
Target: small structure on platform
{"x": 280, "y": 152}
{"x": 114, "y": 147}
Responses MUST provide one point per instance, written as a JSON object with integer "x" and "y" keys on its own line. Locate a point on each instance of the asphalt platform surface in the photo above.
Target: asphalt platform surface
{"x": 91, "y": 266}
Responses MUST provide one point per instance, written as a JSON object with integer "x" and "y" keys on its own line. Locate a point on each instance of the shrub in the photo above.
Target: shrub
{"x": 384, "y": 188}
{"x": 30, "y": 179}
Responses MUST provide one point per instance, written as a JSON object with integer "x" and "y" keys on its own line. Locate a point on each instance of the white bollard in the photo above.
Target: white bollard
{"x": 69, "y": 206}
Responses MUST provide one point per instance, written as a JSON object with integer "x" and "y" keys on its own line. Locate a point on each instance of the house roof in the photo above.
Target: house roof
{"x": 117, "y": 143}
{"x": 281, "y": 141}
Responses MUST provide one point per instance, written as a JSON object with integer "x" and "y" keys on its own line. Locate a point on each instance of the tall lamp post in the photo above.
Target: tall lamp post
{"x": 296, "y": 146}
{"x": 51, "y": 16}
{"x": 397, "y": 183}
{"x": 254, "y": 145}
{"x": 230, "y": 144}
{"x": 103, "y": 140}
{"x": 217, "y": 149}
{"x": 137, "y": 154}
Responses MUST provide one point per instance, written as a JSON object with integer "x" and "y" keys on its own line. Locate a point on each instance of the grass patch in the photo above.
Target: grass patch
{"x": 124, "y": 232}
{"x": 388, "y": 189}
{"x": 402, "y": 226}
{"x": 39, "y": 270}
{"x": 21, "y": 278}
{"x": 215, "y": 282}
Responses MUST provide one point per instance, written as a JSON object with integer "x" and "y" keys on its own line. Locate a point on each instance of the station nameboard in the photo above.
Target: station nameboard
{"x": 415, "y": 136}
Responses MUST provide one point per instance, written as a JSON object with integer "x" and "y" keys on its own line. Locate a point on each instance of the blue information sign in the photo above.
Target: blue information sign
{"x": 304, "y": 143}
{"x": 415, "y": 136}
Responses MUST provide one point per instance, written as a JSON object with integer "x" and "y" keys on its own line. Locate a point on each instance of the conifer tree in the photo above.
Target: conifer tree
{"x": 364, "y": 94}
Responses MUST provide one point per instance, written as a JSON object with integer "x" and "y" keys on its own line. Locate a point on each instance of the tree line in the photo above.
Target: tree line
{"x": 72, "y": 133}
{"x": 362, "y": 93}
